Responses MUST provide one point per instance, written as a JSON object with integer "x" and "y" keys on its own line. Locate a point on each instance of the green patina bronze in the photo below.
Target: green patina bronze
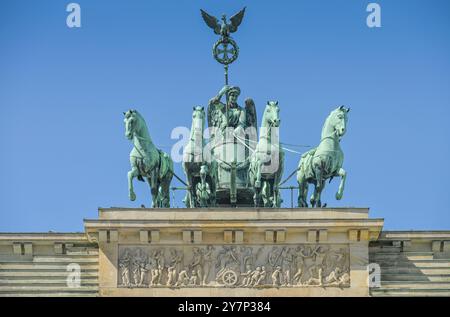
{"x": 229, "y": 145}
{"x": 200, "y": 172}
{"x": 325, "y": 161}
{"x": 235, "y": 168}
{"x": 147, "y": 161}
{"x": 203, "y": 192}
{"x": 225, "y": 50}
{"x": 229, "y": 114}
{"x": 267, "y": 160}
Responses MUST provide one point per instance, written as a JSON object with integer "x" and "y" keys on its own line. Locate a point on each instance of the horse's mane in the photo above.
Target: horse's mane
{"x": 142, "y": 125}
{"x": 264, "y": 115}
{"x": 138, "y": 115}
{"x": 326, "y": 122}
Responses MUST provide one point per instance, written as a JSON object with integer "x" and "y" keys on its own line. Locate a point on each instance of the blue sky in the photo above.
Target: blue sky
{"x": 63, "y": 91}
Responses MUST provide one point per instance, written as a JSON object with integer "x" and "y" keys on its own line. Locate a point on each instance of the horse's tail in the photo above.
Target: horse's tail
{"x": 252, "y": 171}
{"x": 165, "y": 166}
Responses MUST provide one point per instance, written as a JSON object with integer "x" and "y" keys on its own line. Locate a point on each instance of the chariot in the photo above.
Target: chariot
{"x": 228, "y": 277}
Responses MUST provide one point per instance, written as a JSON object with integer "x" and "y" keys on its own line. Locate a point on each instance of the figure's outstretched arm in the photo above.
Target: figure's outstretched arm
{"x": 219, "y": 96}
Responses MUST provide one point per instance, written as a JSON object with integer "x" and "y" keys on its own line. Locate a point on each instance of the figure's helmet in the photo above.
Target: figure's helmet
{"x": 235, "y": 91}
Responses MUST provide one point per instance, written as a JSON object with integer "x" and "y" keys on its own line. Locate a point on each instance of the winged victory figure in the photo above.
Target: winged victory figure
{"x": 230, "y": 114}
{"x": 223, "y": 29}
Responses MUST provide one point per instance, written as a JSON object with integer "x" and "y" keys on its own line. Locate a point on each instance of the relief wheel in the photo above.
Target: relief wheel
{"x": 229, "y": 278}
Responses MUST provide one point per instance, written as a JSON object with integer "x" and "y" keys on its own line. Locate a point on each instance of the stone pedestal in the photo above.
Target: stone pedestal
{"x": 233, "y": 252}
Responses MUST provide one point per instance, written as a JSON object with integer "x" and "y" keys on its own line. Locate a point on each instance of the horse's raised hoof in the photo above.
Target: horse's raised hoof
{"x": 338, "y": 196}
{"x": 255, "y": 202}
{"x": 132, "y": 196}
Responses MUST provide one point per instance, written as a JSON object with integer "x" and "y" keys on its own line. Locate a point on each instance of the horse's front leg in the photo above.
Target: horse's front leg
{"x": 256, "y": 190}
{"x": 187, "y": 198}
{"x": 313, "y": 198}
{"x": 343, "y": 175}
{"x": 132, "y": 174}
{"x": 215, "y": 180}
{"x": 165, "y": 193}
{"x": 266, "y": 195}
{"x": 302, "y": 191}
{"x": 319, "y": 194}
{"x": 256, "y": 196}
{"x": 317, "y": 187}
{"x": 154, "y": 187}
{"x": 213, "y": 193}
{"x": 192, "y": 195}
{"x": 255, "y": 180}
{"x": 275, "y": 196}
{"x": 258, "y": 173}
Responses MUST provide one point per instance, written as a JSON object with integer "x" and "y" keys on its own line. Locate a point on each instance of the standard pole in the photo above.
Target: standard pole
{"x": 226, "y": 74}
{"x": 226, "y": 95}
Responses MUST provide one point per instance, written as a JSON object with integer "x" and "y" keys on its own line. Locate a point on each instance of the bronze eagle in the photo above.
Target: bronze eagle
{"x": 224, "y": 29}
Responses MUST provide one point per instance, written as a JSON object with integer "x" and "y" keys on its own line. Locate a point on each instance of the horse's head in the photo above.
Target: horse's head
{"x": 198, "y": 117}
{"x": 271, "y": 115}
{"x": 338, "y": 120}
{"x": 131, "y": 123}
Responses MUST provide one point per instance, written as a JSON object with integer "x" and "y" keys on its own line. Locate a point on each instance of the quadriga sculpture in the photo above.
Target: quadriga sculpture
{"x": 325, "y": 161}
{"x": 267, "y": 160}
{"x": 147, "y": 161}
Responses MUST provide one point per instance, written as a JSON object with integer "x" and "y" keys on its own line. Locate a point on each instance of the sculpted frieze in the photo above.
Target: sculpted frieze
{"x": 248, "y": 266}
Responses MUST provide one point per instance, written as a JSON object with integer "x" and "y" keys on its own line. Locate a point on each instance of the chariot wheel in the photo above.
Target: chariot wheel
{"x": 229, "y": 278}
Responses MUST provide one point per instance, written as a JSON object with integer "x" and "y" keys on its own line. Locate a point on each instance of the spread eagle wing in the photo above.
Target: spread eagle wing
{"x": 211, "y": 21}
{"x": 250, "y": 113}
{"x": 236, "y": 20}
{"x": 216, "y": 114}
